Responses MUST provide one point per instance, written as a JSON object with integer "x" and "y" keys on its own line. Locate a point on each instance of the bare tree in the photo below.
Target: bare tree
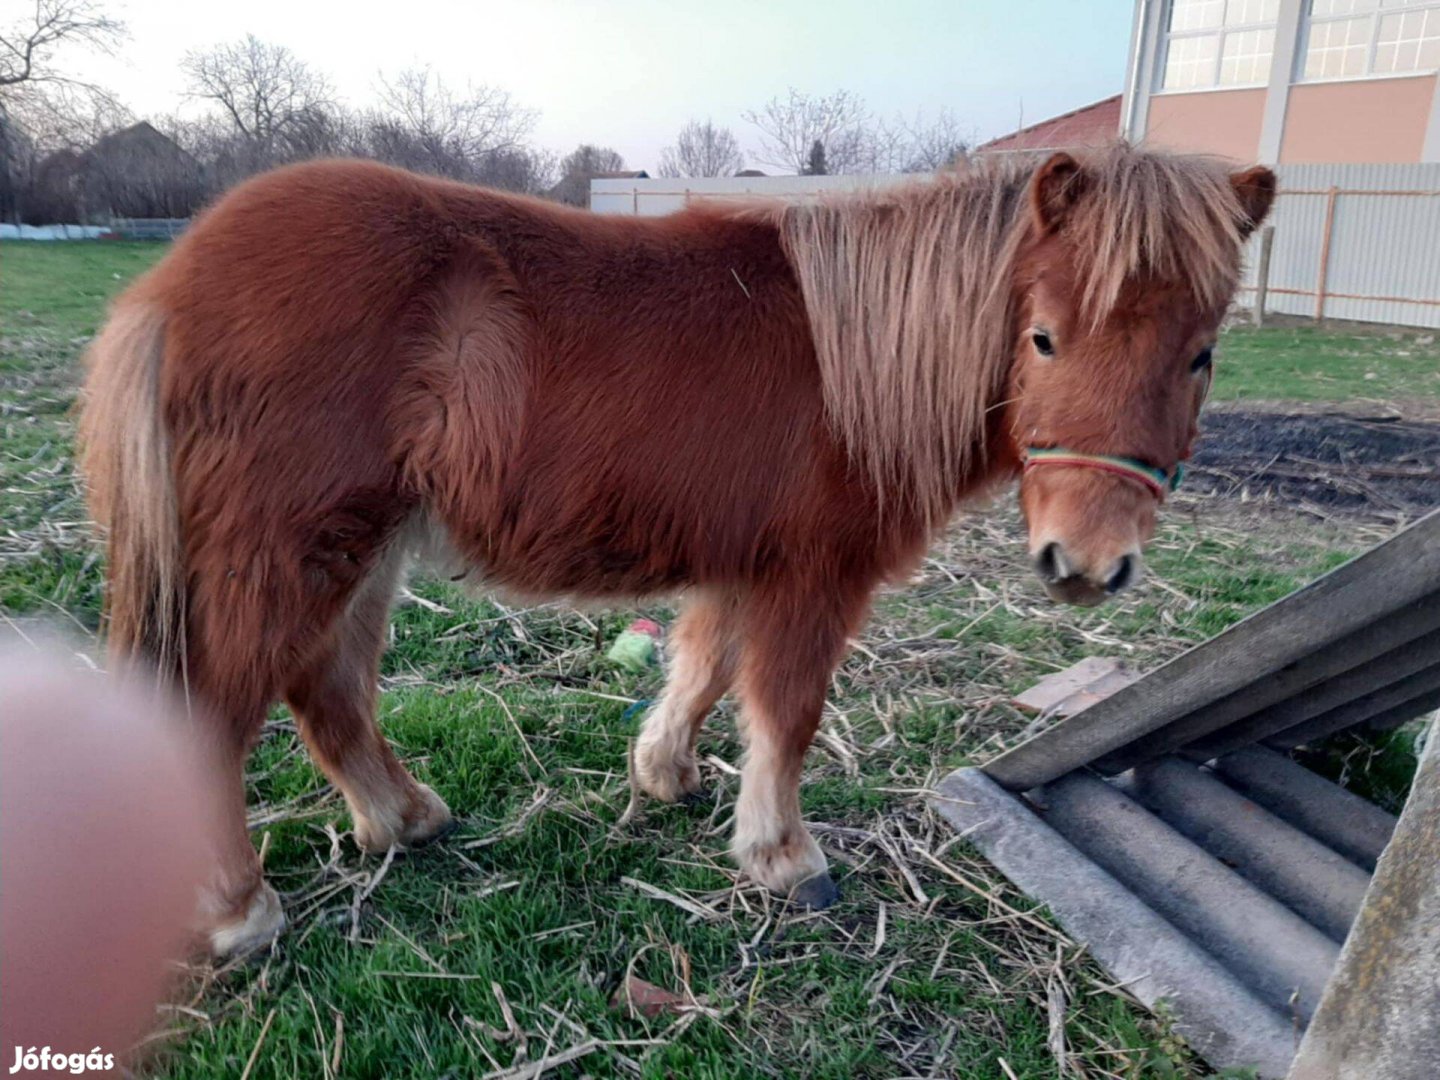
{"x": 702, "y": 149}
{"x": 451, "y": 126}
{"x": 63, "y": 116}
{"x": 579, "y": 167}
{"x": 265, "y": 90}
{"x": 790, "y": 127}
{"x": 44, "y": 129}
{"x": 43, "y": 107}
{"x": 935, "y": 144}
{"x": 850, "y": 140}
{"x": 27, "y": 46}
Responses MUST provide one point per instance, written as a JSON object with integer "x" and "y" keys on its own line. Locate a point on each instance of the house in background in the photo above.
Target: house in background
{"x": 135, "y": 172}
{"x": 1287, "y": 82}
{"x": 1089, "y": 125}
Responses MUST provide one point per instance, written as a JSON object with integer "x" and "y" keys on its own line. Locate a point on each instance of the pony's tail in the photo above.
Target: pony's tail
{"x": 126, "y": 459}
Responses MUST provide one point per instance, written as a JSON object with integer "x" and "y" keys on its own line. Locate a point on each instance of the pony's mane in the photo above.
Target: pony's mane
{"x": 910, "y": 296}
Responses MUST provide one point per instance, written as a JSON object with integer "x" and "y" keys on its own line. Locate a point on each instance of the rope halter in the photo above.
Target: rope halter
{"x": 1156, "y": 481}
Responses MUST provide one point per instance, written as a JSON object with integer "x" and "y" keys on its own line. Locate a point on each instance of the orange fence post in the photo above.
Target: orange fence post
{"x": 1330, "y": 197}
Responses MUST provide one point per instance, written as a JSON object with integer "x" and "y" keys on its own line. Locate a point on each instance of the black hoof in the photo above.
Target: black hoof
{"x": 816, "y": 893}
{"x": 698, "y": 799}
{"x": 447, "y": 830}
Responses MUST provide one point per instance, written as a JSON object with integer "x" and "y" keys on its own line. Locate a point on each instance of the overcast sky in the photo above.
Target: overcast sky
{"x": 629, "y": 73}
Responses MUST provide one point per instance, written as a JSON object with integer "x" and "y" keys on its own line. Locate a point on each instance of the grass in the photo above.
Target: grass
{"x": 504, "y": 944}
{"x": 1327, "y": 363}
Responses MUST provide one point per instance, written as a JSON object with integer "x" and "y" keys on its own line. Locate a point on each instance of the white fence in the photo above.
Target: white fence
{"x": 1355, "y": 242}
{"x": 51, "y": 232}
{"x": 651, "y": 198}
{"x": 1351, "y": 241}
{"x": 122, "y": 228}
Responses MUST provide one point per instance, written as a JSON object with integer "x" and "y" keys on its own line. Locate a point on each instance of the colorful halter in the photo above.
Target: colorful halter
{"x": 1157, "y": 481}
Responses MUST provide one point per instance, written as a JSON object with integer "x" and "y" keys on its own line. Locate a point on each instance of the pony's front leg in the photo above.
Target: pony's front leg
{"x": 792, "y": 642}
{"x": 703, "y": 651}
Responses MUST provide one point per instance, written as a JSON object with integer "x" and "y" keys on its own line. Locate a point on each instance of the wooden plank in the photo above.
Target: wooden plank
{"x": 1064, "y": 693}
{"x": 1400, "y": 572}
{"x": 1364, "y": 679}
{"x": 1407, "y": 693}
{"x": 1351, "y": 653}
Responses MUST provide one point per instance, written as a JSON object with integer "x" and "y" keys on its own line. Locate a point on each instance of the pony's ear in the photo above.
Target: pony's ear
{"x": 1255, "y": 189}
{"x": 1054, "y": 190}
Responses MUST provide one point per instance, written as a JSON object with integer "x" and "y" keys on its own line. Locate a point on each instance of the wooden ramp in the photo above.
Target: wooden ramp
{"x": 1168, "y": 829}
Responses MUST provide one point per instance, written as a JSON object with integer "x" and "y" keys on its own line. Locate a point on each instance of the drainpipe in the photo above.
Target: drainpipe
{"x": 1137, "y": 49}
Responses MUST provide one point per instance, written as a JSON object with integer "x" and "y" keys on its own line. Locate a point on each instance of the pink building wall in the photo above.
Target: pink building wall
{"x": 1224, "y": 122}
{"x": 1363, "y": 120}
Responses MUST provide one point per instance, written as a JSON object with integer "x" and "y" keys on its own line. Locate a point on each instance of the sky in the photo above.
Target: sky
{"x": 630, "y": 73}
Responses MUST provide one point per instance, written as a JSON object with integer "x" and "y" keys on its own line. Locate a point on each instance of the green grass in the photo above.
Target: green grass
{"x": 500, "y": 709}
{"x": 1327, "y": 363}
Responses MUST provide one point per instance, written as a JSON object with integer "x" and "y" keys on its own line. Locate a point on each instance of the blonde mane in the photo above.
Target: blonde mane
{"x": 910, "y": 294}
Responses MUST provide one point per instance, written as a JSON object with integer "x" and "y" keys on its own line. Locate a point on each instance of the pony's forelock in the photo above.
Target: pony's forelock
{"x": 910, "y": 298}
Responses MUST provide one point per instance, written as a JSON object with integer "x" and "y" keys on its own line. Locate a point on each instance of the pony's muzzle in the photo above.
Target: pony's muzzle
{"x": 1068, "y": 581}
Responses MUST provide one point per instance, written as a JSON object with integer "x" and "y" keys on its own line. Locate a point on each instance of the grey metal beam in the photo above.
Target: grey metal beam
{"x": 1272, "y": 950}
{"x": 1218, "y": 1016}
{"x": 1348, "y": 657}
{"x": 1400, "y": 572}
{"x": 1321, "y": 886}
{"x": 1409, "y": 693}
{"x": 1339, "y": 819}
{"x": 1395, "y": 665}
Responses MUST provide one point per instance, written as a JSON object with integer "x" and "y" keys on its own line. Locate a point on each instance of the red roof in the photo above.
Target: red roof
{"x": 1089, "y": 125}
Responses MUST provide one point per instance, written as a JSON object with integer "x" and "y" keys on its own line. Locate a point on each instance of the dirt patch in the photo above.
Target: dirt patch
{"x": 1324, "y": 462}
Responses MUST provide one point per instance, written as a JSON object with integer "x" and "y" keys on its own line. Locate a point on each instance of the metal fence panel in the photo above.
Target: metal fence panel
{"x": 1384, "y": 251}
{"x": 1381, "y": 263}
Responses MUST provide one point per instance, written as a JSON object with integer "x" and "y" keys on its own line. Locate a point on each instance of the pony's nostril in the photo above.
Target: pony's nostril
{"x": 1050, "y": 563}
{"x": 1122, "y": 576}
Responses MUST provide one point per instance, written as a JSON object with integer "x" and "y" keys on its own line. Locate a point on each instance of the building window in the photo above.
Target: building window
{"x": 1350, "y": 39}
{"x": 1212, "y": 43}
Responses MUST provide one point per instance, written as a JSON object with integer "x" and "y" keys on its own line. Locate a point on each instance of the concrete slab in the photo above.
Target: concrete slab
{"x": 1319, "y": 885}
{"x": 1339, "y": 819}
{"x": 1279, "y": 955}
{"x": 1224, "y": 1021}
{"x": 1380, "y": 1017}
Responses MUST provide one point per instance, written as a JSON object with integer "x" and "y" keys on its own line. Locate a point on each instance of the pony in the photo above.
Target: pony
{"x": 767, "y": 409}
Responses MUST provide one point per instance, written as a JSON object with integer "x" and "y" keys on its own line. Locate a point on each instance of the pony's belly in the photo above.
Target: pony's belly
{"x": 549, "y": 567}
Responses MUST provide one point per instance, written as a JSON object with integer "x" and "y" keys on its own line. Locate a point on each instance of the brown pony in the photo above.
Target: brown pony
{"x": 770, "y": 409}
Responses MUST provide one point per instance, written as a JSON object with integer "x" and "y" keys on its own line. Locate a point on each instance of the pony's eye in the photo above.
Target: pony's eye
{"x": 1201, "y": 362}
{"x": 1043, "y": 345}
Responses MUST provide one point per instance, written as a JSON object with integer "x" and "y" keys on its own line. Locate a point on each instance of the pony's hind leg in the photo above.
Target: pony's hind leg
{"x": 333, "y": 700}
{"x": 704, "y": 649}
{"x": 239, "y": 909}
{"x": 792, "y": 642}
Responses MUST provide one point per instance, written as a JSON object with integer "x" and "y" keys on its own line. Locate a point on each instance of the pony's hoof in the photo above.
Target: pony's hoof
{"x": 254, "y": 928}
{"x": 667, "y": 777}
{"x": 424, "y": 819}
{"x": 448, "y": 829}
{"x": 816, "y": 893}
{"x": 429, "y": 821}
{"x": 699, "y": 799}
